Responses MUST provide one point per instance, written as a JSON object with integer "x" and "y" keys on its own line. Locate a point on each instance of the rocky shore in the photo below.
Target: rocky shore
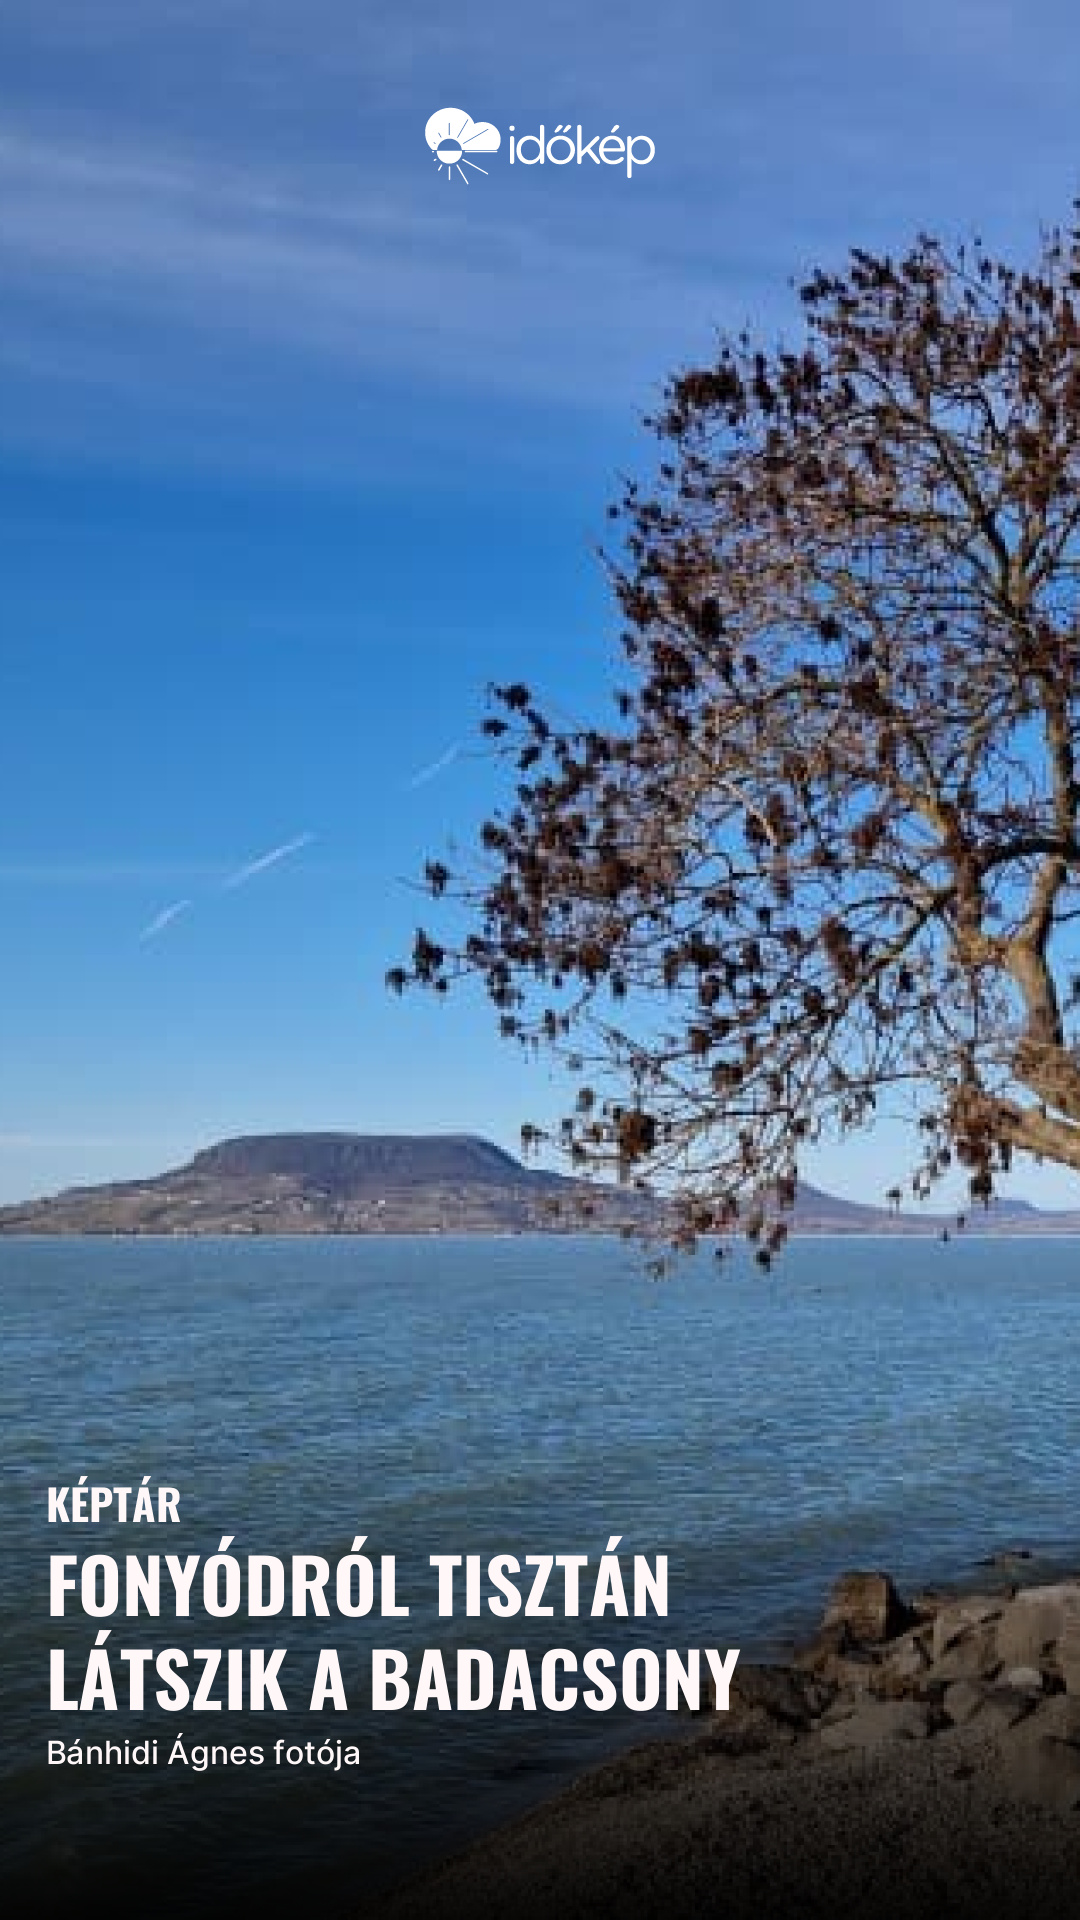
{"x": 920, "y": 1757}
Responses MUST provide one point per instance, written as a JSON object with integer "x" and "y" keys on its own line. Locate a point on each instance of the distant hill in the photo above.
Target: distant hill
{"x": 319, "y": 1183}
{"x": 817, "y": 1211}
{"x": 284, "y": 1183}
{"x": 350, "y": 1164}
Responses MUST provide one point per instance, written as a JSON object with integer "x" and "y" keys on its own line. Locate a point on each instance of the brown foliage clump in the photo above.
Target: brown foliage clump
{"x": 828, "y": 848}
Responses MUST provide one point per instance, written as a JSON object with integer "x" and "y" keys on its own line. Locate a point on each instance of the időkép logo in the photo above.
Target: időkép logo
{"x": 455, "y": 138}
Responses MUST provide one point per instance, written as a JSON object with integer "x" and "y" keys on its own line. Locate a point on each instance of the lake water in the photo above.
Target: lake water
{"x": 870, "y": 1403}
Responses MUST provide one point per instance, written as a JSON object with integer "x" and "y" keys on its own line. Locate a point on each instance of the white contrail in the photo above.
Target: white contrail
{"x": 164, "y": 919}
{"x": 437, "y": 766}
{"x": 266, "y": 860}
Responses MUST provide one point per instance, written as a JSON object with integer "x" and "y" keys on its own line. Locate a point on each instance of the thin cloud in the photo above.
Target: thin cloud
{"x": 437, "y": 766}
{"x": 266, "y": 860}
{"x": 285, "y": 259}
{"x": 164, "y": 919}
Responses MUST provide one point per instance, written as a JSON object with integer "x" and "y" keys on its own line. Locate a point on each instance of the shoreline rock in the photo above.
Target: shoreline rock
{"x": 916, "y": 1758}
{"x": 1022, "y": 1641}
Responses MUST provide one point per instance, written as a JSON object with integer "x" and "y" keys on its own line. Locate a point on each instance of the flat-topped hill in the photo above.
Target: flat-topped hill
{"x": 334, "y": 1183}
{"x": 351, "y": 1163}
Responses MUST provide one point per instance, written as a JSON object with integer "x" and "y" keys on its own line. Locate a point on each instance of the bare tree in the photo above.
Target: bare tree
{"x": 827, "y": 849}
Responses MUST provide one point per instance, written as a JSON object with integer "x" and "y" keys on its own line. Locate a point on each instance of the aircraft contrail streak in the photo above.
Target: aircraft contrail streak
{"x": 265, "y": 860}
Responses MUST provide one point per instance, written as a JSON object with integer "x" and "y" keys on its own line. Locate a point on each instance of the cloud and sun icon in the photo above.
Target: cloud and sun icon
{"x": 454, "y": 136}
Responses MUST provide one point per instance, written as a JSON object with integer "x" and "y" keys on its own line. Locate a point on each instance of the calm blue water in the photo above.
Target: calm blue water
{"x": 870, "y": 1403}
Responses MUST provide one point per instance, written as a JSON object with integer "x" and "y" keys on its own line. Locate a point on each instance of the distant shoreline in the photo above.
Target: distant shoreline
{"x": 930, "y": 1235}
{"x": 332, "y": 1185}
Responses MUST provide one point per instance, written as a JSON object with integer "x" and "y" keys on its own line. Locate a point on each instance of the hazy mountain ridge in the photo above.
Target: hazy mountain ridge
{"x": 316, "y": 1183}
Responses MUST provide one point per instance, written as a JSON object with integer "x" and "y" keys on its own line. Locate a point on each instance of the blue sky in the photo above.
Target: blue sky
{"x": 302, "y": 442}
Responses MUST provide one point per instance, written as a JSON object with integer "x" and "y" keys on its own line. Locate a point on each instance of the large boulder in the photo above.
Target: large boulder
{"x": 901, "y": 1666}
{"x": 958, "y": 1619}
{"x": 971, "y": 1656}
{"x": 868, "y": 1605}
{"x": 1035, "y": 1622}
